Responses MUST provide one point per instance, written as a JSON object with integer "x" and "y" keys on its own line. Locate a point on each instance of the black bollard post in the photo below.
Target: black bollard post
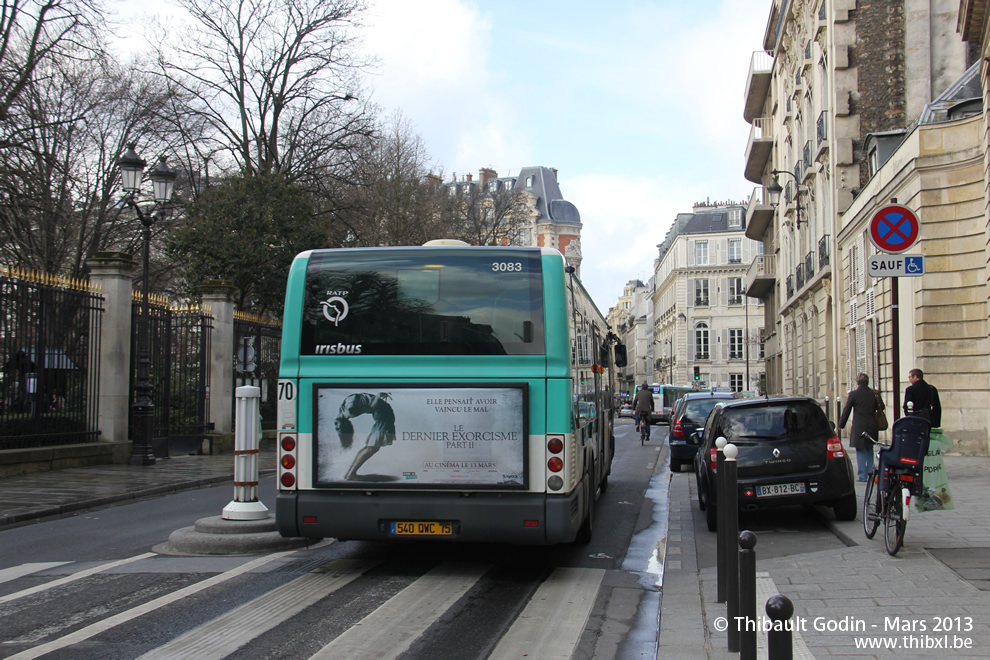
{"x": 721, "y": 542}
{"x": 747, "y": 595}
{"x": 780, "y": 610}
{"x": 730, "y": 501}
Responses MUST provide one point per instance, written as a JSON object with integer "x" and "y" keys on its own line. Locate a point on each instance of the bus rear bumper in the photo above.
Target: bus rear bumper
{"x": 521, "y": 518}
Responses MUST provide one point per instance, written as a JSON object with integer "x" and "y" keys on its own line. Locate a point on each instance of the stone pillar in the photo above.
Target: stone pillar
{"x": 219, "y": 295}
{"x": 113, "y": 273}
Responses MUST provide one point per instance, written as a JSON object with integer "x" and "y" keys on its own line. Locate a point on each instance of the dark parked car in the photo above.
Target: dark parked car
{"x": 688, "y": 416}
{"x": 789, "y": 453}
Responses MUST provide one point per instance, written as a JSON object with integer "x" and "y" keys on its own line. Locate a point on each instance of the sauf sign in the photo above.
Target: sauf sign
{"x": 894, "y": 229}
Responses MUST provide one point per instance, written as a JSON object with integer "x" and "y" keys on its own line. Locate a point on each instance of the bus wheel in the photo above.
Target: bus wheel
{"x": 588, "y": 526}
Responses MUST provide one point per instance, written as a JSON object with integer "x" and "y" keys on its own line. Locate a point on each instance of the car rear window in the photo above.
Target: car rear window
{"x": 774, "y": 421}
{"x": 697, "y": 411}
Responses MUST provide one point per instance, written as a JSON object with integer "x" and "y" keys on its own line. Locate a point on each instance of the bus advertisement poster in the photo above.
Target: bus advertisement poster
{"x": 408, "y": 436}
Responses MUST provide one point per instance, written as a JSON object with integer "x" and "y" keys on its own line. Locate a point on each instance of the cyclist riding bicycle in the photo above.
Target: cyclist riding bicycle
{"x": 643, "y": 406}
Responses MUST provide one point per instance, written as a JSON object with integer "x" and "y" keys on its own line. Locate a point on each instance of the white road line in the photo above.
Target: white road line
{"x": 392, "y": 628}
{"x": 108, "y": 623}
{"x": 223, "y": 635}
{"x": 765, "y": 588}
{"x": 14, "y": 572}
{"x": 75, "y": 576}
{"x": 553, "y": 621}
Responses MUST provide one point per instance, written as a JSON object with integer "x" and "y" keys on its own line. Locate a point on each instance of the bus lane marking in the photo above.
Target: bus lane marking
{"x": 123, "y": 617}
{"x": 552, "y": 623}
{"x": 14, "y": 572}
{"x": 75, "y": 576}
{"x": 392, "y": 628}
{"x": 223, "y": 635}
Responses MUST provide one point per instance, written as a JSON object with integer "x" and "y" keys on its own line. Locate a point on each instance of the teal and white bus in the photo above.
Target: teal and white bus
{"x": 446, "y": 392}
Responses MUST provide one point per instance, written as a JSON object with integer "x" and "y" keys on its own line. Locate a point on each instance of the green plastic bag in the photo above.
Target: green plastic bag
{"x": 936, "y": 495}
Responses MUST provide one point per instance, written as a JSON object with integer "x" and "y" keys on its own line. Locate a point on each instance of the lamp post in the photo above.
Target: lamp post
{"x": 775, "y": 189}
{"x": 142, "y": 410}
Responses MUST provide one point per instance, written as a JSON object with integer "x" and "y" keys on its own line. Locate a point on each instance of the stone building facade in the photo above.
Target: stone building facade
{"x": 844, "y": 103}
{"x": 553, "y": 221}
{"x": 702, "y": 318}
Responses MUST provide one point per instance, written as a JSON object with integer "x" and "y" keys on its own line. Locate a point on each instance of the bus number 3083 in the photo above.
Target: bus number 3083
{"x": 507, "y": 267}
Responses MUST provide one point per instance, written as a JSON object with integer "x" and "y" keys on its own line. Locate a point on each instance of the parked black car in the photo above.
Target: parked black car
{"x": 789, "y": 453}
{"x": 688, "y": 416}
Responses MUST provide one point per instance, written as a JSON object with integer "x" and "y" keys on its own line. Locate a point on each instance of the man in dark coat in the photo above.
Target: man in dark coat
{"x": 643, "y": 406}
{"x": 863, "y": 403}
{"x": 924, "y": 399}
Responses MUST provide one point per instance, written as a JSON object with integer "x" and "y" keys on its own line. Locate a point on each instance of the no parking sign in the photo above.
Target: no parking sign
{"x": 894, "y": 229}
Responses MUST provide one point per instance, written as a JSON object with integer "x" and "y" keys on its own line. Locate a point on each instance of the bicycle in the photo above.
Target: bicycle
{"x": 644, "y": 430}
{"x": 892, "y": 505}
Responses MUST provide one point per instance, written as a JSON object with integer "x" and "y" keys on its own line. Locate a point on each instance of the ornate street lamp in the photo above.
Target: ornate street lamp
{"x": 162, "y": 182}
{"x": 775, "y": 189}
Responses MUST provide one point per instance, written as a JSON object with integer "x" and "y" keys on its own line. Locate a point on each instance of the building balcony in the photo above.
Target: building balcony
{"x": 762, "y": 276}
{"x": 759, "y": 214}
{"x": 757, "y": 84}
{"x": 758, "y": 149}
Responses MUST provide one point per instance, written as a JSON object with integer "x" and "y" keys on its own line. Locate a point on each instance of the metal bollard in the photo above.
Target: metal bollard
{"x": 721, "y": 542}
{"x": 780, "y": 610}
{"x": 747, "y": 595}
{"x": 730, "y": 500}
{"x": 247, "y": 439}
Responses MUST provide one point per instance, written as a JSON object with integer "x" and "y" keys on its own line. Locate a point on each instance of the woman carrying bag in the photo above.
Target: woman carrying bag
{"x": 868, "y": 415}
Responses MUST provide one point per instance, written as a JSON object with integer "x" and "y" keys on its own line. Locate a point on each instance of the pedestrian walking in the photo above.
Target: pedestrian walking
{"x": 923, "y": 398}
{"x": 863, "y": 403}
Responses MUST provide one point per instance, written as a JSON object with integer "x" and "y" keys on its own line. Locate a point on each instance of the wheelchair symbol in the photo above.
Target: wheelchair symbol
{"x": 914, "y": 265}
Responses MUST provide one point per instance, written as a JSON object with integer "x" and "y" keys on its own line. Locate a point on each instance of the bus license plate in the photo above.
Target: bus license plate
{"x": 779, "y": 489}
{"x": 422, "y": 529}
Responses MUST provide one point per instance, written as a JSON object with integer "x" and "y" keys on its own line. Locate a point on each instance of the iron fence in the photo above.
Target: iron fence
{"x": 49, "y": 352}
{"x": 179, "y": 350}
{"x": 257, "y": 346}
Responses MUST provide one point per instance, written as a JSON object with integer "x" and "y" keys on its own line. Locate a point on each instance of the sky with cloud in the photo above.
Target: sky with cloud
{"x": 636, "y": 103}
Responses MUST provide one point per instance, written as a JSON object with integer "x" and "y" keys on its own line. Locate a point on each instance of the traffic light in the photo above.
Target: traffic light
{"x": 697, "y": 373}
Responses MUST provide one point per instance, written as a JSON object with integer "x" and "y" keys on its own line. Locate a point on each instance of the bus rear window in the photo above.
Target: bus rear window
{"x": 422, "y": 301}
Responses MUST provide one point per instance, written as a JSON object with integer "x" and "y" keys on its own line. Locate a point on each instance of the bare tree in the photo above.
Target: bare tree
{"x": 36, "y": 31}
{"x": 275, "y": 81}
{"x": 395, "y": 200}
{"x": 59, "y": 185}
{"x": 488, "y": 214}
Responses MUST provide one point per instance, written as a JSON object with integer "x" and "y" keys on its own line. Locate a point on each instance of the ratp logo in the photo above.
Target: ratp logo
{"x": 335, "y": 309}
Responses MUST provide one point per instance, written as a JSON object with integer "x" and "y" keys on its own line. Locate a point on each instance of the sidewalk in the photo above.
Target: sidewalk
{"x": 54, "y": 494}
{"x": 931, "y": 600}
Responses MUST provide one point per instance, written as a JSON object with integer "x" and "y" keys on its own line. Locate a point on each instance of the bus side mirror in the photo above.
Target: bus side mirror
{"x": 620, "y": 355}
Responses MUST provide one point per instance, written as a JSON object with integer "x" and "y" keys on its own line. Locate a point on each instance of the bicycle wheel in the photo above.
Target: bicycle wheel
{"x": 642, "y": 434}
{"x": 894, "y": 524}
{"x": 871, "y": 506}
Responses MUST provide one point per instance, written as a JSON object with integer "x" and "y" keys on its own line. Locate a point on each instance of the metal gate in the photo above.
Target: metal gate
{"x": 257, "y": 346}
{"x": 179, "y": 338}
{"x": 49, "y": 354}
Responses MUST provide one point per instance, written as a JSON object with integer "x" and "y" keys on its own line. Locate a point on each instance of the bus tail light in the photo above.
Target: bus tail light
{"x": 287, "y": 460}
{"x": 555, "y": 464}
{"x": 834, "y": 448}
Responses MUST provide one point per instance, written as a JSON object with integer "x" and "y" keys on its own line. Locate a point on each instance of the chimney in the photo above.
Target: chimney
{"x": 469, "y": 177}
{"x": 554, "y": 170}
{"x": 433, "y": 179}
{"x": 486, "y": 174}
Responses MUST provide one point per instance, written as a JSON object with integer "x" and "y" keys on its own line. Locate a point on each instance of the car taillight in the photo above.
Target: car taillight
{"x": 677, "y": 430}
{"x": 713, "y": 459}
{"x": 834, "y": 448}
